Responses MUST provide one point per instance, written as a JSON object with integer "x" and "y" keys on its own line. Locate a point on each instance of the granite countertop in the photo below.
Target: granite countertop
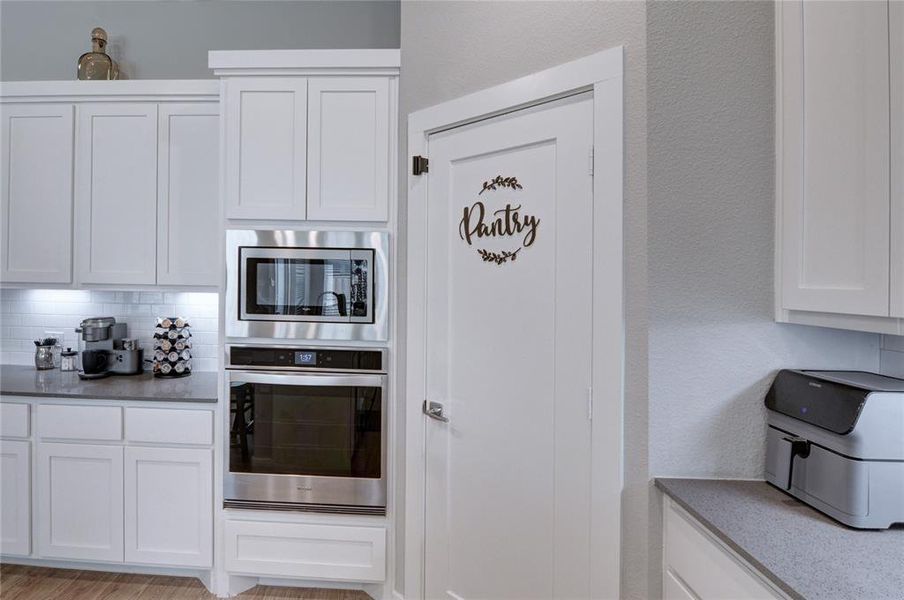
{"x": 18, "y": 380}
{"x": 803, "y": 552}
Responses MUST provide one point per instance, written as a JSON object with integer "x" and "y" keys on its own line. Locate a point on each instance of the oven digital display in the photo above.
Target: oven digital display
{"x": 306, "y": 358}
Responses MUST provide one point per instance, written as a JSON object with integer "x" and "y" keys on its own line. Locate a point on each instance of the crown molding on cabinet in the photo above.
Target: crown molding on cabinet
{"x": 304, "y": 62}
{"x": 183, "y": 90}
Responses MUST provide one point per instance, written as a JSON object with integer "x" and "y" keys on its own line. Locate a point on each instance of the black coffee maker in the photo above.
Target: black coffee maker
{"x": 97, "y": 335}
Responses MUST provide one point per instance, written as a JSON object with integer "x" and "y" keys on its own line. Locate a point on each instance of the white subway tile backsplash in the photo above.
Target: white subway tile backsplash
{"x": 27, "y": 314}
{"x": 893, "y": 342}
{"x": 892, "y": 363}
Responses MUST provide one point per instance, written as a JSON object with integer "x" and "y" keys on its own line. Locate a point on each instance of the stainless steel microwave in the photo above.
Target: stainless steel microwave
{"x": 328, "y": 285}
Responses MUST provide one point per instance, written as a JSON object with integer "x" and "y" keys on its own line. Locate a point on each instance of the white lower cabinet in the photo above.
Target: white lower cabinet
{"x": 169, "y": 506}
{"x": 80, "y": 502}
{"x": 697, "y": 567}
{"x": 305, "y": 550}
{"x": 15, "y": 497}
{"x": 115, "y": 482}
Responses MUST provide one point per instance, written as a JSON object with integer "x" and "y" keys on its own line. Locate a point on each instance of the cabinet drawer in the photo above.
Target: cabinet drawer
{"x": 169, "y": 426}
{"x": 308, "y": 551}
{"x": 67, "y": 422}
{"x": 704, "y": 568}
{"x": 14, "y": 420}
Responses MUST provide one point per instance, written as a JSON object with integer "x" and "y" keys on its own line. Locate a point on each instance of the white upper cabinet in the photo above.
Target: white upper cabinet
{"x": 36, "y": 157}
{"x": 835, "y": 157}
{"x": 309, "y": 134}
{"x": 110, "y": 182}
{"x": 896, "y": 72}
{"x": 188, "y": 241}
{"x": 266, "y": 134}
{"x": 839, "y": 164}
{"x": 116, "y": 192}
{"x": 348, "y": 148}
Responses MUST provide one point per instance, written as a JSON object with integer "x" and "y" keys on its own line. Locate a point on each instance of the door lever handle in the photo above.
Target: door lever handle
{"x": 434, "y": 410}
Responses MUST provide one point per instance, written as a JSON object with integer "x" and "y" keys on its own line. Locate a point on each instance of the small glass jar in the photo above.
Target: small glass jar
{"x": 69, "y": 360}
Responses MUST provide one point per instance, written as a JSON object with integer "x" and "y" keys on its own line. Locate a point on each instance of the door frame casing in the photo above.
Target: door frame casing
{"x": 601, "y": 73}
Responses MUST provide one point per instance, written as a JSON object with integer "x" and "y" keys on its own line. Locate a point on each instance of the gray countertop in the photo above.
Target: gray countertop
{"x": 802, "y": 551}
{"x": 18, "y": 380}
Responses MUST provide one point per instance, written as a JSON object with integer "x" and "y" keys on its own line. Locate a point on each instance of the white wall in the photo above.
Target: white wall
{"x": 699, "y": 136}
{"x": 168, "y": 39}
{"x": 714, "y": 347}
{"x": 26, "y": 315}
{"x": 453, "y": 48}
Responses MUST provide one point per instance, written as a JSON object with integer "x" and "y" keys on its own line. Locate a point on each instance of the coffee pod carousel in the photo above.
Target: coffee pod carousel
{"x": 172, "y": 347}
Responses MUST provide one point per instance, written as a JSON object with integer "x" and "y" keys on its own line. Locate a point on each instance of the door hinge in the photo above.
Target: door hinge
{"x": 590, "y": 166}
{"x": 419, "y": 165}
{"x": 590, "y": 404}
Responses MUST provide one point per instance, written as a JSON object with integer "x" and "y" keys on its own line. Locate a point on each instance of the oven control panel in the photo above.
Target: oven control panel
{"x": 319, "y": 359}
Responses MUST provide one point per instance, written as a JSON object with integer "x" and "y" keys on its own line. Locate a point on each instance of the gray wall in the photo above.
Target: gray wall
{"x": 453, "y": 48}
{"x": 170, "y": 39}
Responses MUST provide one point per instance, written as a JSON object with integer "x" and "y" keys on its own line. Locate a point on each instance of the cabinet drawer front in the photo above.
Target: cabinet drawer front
{"x": 14, "y": 420}
{"x": 307, "y": 551}
{"x": 67, "y": 422}
{"x": 705, "y": 569}
{"x": 169, "y": 426}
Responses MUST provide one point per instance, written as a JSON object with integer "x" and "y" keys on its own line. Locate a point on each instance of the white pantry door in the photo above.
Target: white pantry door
{"x": 509, "y": 289}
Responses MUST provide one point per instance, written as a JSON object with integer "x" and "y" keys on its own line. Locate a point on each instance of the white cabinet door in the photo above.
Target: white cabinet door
{"x": 36, "y": 172}
{"x": 896, "y": 72}
{"x": 348, "y": 149}
{"x": 695, "y": 566}
{"x": 266, "y": 131}
{"x": 834, "y": 172}
{"x": 15, "y": 498}
{"x": 188, "y": 244}
{"x": 169, "y": 506}
{"x": 80, "y": 502}
{"x": 116, "y": 193}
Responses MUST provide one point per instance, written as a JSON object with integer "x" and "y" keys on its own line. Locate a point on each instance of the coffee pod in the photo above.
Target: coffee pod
{"x": 181, "y": 345}
{"x": 173, "y": 356}
{"x": 165, "y": 345}
{"x": 172, "y": 334}
{"x": 180, "y": 367}
{"x": 159, "y": 355}
{"x": 166, "y": 323}
{"x": 180, "y": 322}
{"x": 185, "y": 355}
{"x": 165, "y": 368}
{"x": 159, "y": 331}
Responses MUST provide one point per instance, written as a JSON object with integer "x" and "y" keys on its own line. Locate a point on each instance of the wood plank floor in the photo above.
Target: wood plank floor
{"x": 40, "y": 583}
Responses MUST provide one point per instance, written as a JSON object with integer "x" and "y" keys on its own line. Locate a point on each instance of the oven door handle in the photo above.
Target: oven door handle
{"x": 361, "y": 380}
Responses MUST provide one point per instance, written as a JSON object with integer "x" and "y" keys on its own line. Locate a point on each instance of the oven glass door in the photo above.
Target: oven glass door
{"x": 299, "y": 285}
{"x": 317, "y": 426}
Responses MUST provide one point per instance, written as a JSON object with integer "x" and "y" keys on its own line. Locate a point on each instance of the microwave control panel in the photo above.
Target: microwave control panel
{"x": 359, "y": 288}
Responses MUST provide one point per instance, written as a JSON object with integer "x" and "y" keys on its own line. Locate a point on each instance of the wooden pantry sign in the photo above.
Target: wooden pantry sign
{"x": 479, "y": 222}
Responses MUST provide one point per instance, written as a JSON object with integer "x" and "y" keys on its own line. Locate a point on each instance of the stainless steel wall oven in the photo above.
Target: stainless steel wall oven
{"x": 307, "y": 429}
{"x": 327, "y": 285}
